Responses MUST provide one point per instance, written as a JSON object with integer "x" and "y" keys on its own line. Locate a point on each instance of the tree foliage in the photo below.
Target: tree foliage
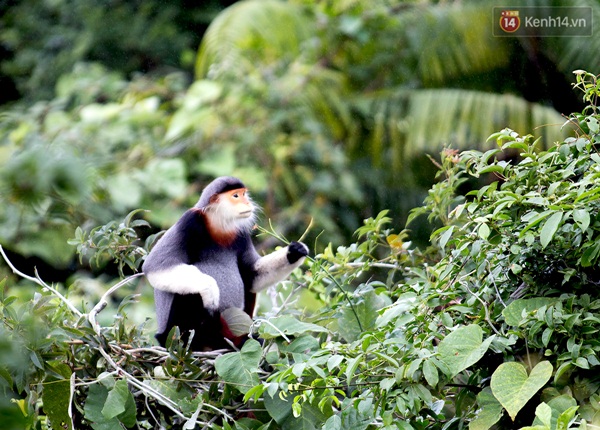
{"x": 385, "y": 81}
{"x": 325, "y": 109}
{"x": 328, "y": 122}
{"x": 40, "y": 42}
{"x": 493, "y": 325}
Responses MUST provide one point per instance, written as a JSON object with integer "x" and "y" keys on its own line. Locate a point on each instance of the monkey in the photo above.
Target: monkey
{"x": 206, "y": 263}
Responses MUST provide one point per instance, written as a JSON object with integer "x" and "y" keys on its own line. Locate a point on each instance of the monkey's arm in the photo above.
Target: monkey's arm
{"x": 167, "y": 266}
{"x": 186, "y": 279}
{"x": 275, "y": 267}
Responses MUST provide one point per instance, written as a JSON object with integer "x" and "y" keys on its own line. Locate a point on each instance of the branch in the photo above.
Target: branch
{"x": 104, "y": 300}
{"x": 354, "y": 265}
{"x": 41, "y": 283}
{"x": 145, "y": 388}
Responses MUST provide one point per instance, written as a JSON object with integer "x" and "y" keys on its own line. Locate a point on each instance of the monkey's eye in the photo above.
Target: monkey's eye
{"x": 236, "y": 196}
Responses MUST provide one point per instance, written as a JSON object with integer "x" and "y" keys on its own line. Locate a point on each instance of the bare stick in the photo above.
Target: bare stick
{"x": 104, "y": 299}
{"x": 354, "y": 265}
{"x": 145, "y": 388}
{"x": 41, "y": 283}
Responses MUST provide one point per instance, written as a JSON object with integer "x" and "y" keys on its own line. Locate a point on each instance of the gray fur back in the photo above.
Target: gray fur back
{"x": 166, "y": 253}
{"x": 162, "y": 302}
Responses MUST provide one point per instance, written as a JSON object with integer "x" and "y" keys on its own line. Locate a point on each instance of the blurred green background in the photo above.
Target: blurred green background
{"x": 326, "y": 109}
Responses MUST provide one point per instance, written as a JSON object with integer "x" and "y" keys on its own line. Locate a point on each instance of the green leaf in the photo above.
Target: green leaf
{"x": 288, "y": 326}
{"x": 514, "y": 311}
{"x": 489, "y": 413}
{"x": 491, "y": 169}
{"x": 183, "y": 396}
{"x": 279, "y": 409}
{"x": 463, "y": 347}
{"x": 590, "y": 255}
{"x": 237, "y": 320}
{"x": 36, "y": 359}
{"x": 549, "y": 228}
{"x": 120, "y": 404}
{"x": 240, "y": 368}
{"x": 353, "y": 364}
{"x": 514, "y": 388}
{"x": 333, "y": 423}
{"x": 582, "y": 218}
{"x": 564, "y": 419}
{"x": 430, "y": 373}
{"x": 404, "y": 303}
{"x": 94, "y": 403}
{"x": 56, "y": 395}
{"x": 446, "y": 236}
{"x": 483, "y": 231}
{"x": 532, "y": 219}
{"x": 544, "y": 413}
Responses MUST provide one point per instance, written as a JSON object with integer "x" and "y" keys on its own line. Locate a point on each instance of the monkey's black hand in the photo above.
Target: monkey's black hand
{"x": 296, "y": 250}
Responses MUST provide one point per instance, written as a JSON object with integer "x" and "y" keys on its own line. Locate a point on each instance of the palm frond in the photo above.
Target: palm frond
{"x": 571, "y": 53}
{"x": 409, "y": 122}
{"x": 450, "y": 40}
{"x": 252, "y": 31}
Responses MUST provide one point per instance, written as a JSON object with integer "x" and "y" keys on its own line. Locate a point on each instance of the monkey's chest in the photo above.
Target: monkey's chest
{"x": 222, "y": 265}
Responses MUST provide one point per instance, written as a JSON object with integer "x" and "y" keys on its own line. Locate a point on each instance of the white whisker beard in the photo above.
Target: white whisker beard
{"x": 222, "y": 219}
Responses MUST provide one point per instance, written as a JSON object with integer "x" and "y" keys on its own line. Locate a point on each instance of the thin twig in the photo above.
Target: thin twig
{"x": 151, "y": 350}
{"x": 104, "y": 299}
{"x": 145, "y": 388}
{"x": 71, "y": 397}
{"x": 483, "y": 304}
{"x": 41, "y": 283}
{"x": 353, "y": 265}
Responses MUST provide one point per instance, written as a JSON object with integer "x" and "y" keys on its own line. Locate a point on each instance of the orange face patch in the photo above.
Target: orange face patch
{"x": 237, "y": 196}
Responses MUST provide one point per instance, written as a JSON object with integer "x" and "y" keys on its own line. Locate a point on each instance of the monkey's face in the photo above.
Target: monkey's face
{"x": 237, "y": 202}
{"x": 230, "y": 212}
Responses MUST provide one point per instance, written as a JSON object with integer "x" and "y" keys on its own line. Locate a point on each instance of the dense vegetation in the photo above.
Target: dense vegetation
{"x": 328, "y": 122}
{"x": 494, "y": 324}
{"x": 325, "y": 109}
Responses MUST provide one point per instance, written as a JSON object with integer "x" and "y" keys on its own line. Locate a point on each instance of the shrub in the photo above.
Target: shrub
{"x": 493, "y": 325}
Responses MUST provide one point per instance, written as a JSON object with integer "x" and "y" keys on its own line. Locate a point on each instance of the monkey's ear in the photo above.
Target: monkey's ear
{"x": 213, "y": 199}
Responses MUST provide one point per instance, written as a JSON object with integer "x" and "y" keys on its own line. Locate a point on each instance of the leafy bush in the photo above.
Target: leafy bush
{"x": 78, "y": 161}
{"x": 43, "y": 41}
{"x": 495, "y": 324}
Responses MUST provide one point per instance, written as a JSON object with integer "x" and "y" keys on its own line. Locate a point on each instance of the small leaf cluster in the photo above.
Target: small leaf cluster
{"x": 114, "y": 242}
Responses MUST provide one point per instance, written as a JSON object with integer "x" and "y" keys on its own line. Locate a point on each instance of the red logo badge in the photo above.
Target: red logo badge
{"x": 509, "y": 21}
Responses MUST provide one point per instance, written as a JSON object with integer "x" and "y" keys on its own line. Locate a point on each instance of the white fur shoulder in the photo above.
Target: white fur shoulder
{"x": 187, "y": 279}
